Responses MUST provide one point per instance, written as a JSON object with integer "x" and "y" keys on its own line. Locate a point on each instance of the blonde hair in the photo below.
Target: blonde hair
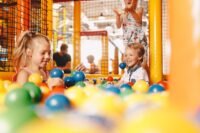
{"x": 139, "y": 48}
{"x": 25, "y": 41}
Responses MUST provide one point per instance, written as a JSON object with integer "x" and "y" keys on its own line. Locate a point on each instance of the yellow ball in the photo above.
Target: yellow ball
{"x": 13, "y": 86}
{"x": 2, "y": 88}
{"x": 161, "y": 99}
{"x": 108, "y": 105}
{"x": 141, "y": 86}
{"x": 62, "y": 124}
{"x": 6, "y": 83}
{"x": 2, "y": 103}
{"x": 75, "y": 95}
{"x": 35, "y": 78}
{"x": 159, "y": 121}
{"x": 90, "y": 90}
{"x": 135, "y": 98}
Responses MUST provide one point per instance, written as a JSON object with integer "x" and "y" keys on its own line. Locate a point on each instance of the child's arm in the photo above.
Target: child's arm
{"x": 118, "y": 18}
{"x": 53, "y": 82}
{"x": 140, "y": 11}
{"x": 22, "y": 77}
{"x": 67, "y": 66}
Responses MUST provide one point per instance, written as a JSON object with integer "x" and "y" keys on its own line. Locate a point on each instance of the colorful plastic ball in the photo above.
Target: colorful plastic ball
{"x": 91, "y": 90}
{"x": 18, "y": 98}
{"x": 113, "y": 89}
{"x": 126, "y": 86}
{"x": 56, "y": 73}
{"x": 159, "y": 121}
{"x": 122, "y": 65}
{"x": 34, "y": 91}
{"x": 126, "y": 90}
{"x": 2, "y": 88}
{"x": 57, "y": 90}
{"x": 79, "y": 76}
{"x": 13, "y": 86}
{"x": 135, "y": 99}
{"x": 69, "y": 81}
{"x": 35, "y": 78}
{"x": 155, "y": 88}
{"x": 76, "y": 95}
{"x": 130, "y": 83}
{"x": 110, "y": 78}
{"x": 103, "y": 104}
{"x": 57, "y": 102}
{"x": 80, "y": 84}
{"x": 14, "y": 119}
{"x": 163, "y": 84}
{"x": 45, "y": 91}
{"x": 141, "y": 86}
{"x": 72, "y": 73}
{"x": 6, "y": 83}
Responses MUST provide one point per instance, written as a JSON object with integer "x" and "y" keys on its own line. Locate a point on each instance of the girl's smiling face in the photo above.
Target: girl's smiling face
{"x": 41, "y": 53}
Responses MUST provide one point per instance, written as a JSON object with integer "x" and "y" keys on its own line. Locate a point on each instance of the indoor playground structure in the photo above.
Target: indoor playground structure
{"x": 96, "y": 103}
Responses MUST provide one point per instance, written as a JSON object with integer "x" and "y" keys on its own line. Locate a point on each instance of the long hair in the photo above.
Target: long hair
{"x": 25, "y": 41}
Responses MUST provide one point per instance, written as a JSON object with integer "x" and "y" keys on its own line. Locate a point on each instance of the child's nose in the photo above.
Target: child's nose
{"x": 47, "y": 56}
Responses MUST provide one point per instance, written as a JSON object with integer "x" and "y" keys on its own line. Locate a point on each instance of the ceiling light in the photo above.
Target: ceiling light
{"x": 101, "y": 16}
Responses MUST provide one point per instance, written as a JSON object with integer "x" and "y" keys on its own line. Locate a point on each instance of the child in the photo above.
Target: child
{"x": 31, "y": 55}
{"x": 133, "y": 58}
{"x": 93, "y": 68}
{"x": 131, "y": 22}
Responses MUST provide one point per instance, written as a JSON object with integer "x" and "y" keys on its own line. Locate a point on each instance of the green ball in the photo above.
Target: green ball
{"x": 72, "y": 73}
{"x": 34, "y": 91}
{"x": 102, "y": 86}
{"x": 12, "y": 120}
{"x": 80, "y": 84}
{"x": 126, "y": 92}
{"x": 18, "y": 98}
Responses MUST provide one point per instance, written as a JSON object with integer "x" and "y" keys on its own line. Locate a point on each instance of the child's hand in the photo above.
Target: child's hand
{"x": 52, "y": 82}
{"x": 81, "y": 67}
{"x": 117, "y": 12}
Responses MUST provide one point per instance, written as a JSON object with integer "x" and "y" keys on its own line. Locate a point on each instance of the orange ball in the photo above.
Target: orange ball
{"x": 45, "y": 91}
{"x": 57, "y": 89}
{"x": 163, "y": 84}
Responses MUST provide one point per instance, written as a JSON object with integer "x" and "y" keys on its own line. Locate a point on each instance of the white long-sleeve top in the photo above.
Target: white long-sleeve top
{"x": 135, "y": 74}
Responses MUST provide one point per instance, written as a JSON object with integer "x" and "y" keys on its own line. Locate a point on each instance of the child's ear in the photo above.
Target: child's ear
{"x": 139, "y": 58}
{"x": 29, "y": 52}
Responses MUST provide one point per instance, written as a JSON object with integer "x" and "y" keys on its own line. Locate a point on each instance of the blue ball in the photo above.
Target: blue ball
{"x": 122, "y": 65}
{"x": 125, "y": 86}
{"x": 79, "y": 76}
{"x": 155, "y": 88}
{"x": 69, "y": 81}
{"x": 112, "y": 88}
{"x": 56, "y": 73}
{"x": 57, "y": 102}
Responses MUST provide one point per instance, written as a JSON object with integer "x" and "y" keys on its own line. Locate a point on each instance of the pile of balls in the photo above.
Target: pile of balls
{"x": 79, "y": 106}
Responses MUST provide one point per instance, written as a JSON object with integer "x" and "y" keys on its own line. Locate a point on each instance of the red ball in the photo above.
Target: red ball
{"x": 110, "y": 78}
{"x": 164, "y": 84}
{"x": 130, "y": 83}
